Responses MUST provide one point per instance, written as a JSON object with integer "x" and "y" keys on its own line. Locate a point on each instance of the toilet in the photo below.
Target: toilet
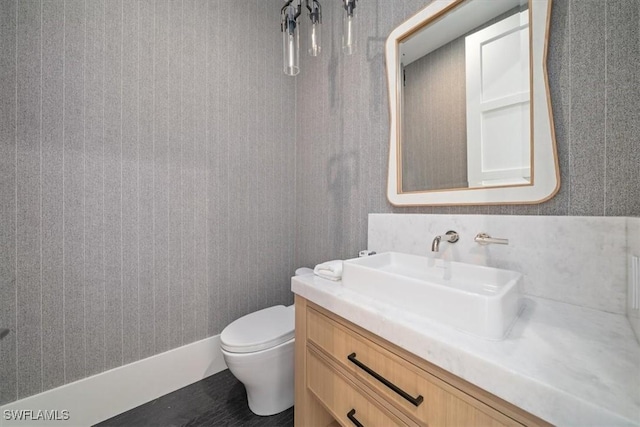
{"x": 258, "y": 350}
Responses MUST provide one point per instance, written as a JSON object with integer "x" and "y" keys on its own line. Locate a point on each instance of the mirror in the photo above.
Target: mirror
{"x": 470, "y": 112}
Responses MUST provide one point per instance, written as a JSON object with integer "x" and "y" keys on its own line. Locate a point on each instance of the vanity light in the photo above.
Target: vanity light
{"x": 315, "y": 15}
{"x": 290, "y": 37}
{"x": 289, "y": 15}
{"x": 349, "y": 27}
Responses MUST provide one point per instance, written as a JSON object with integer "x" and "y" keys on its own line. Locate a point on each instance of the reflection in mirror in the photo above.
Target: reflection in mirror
{"x": 470, "y": 108}
{"x": 465, "y": 99}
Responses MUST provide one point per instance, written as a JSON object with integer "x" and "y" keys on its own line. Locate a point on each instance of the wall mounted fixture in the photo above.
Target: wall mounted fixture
{"x": 289, "y": 24}
{"x": 290, "y": 37}
{"x": 485, "y": 239}
{"x": 315, "y": 29}
{"x": 349, "y": 27}
{"x": 450, "y": 236}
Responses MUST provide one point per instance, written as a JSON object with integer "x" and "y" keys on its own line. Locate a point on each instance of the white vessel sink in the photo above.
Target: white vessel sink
{"x": 483, "y": 301}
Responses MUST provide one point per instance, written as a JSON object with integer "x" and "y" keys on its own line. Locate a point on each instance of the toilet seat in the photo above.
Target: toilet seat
{"x": 259, "y": 330}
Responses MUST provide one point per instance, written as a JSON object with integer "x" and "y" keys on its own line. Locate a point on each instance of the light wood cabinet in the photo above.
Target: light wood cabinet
{"x": 346, "y": 375}
{"x": 346, "y": 402}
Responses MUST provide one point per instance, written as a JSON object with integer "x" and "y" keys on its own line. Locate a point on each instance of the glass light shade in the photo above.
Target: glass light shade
{"x": 291, "y": 49}
{"x": 349, "y": 33}
{"x": 315, "y": 37}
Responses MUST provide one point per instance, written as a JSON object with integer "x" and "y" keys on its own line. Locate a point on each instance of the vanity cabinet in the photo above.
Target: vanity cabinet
{"x": 348, "y": 376}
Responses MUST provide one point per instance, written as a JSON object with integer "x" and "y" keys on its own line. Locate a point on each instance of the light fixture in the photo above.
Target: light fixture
{"x": 289, "y": 15}
{"x": 290, "y": 37}
{"x": 349, "y": 27}
{"x": 315, "y": 15}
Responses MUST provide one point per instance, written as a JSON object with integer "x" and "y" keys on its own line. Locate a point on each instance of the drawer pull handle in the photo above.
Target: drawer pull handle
{"x": 352, "y": 416}
{"x": 415, "y": 401}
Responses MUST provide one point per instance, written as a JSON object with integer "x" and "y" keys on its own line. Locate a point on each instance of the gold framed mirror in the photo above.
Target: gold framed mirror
{"x": 469, "y": 101}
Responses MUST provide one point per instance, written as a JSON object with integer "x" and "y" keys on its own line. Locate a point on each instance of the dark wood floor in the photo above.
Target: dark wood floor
{"x": 219, "y": 400}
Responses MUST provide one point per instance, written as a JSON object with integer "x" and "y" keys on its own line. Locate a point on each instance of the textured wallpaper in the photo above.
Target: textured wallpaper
{"x": 343, "y": 129}
{"x": 147, "y": 150}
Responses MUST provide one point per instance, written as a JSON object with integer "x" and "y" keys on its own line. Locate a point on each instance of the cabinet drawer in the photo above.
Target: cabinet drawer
{"x": 342, "y": 398}
{"x": 415, "y": 392}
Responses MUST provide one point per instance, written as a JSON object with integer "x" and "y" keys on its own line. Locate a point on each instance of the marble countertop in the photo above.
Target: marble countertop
{"x": 566, "y": 364}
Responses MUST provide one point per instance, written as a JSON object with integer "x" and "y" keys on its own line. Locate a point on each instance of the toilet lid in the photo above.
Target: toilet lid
{"x": 259, "y": 330}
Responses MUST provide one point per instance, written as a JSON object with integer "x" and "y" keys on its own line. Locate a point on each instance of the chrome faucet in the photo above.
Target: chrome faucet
{"x": 450, "y": 236}
{"x": 485, "y": 239}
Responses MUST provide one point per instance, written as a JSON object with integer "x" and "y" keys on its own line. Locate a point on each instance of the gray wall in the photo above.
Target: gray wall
{"x": 146, "y": 199}
{"x": 594, "y": 69}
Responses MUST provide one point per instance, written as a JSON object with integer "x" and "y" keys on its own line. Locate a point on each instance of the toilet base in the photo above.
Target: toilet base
{"x": 268, "y": 377}
{"x": 267, "y": 402}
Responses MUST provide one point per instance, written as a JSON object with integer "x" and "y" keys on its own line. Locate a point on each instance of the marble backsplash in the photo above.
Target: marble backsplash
{"x": 577, "y": 260}
{"x": 633, "y": 249}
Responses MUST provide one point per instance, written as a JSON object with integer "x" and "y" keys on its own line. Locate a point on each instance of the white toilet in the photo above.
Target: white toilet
{"x": 258, "y": 349}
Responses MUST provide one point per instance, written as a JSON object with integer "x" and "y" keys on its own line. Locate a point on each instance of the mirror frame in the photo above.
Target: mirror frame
{"x": 545, "y": 175}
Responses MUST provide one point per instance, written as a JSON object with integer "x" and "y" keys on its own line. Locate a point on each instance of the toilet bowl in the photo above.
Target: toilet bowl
{"x": 259, "y": 351}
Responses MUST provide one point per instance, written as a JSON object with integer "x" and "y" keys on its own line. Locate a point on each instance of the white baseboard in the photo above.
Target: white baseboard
{"x": 102, "y": 396}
